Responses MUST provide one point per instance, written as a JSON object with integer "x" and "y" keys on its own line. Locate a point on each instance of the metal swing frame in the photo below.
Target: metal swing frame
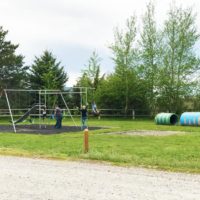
{"x": 40, "y": 93}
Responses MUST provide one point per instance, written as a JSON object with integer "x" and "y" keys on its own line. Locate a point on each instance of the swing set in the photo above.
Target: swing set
{"x": 41, "y": 103}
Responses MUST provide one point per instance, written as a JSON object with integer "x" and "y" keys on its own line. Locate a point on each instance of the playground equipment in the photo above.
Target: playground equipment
{"x": 95, "y": 111}
{"x": 23, "y": 117}
{"x": 166, "y": 118}
{"x": 40, "y": 102}
{"x": 190, "y": 119}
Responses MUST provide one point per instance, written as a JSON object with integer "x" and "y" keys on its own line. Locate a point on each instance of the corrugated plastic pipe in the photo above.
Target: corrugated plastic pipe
{"x": 166, "y": 118}
{"x": 190, "y": 119}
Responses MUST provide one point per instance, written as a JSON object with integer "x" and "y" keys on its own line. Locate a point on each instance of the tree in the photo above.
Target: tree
{"x": 110, "y": 93}
{"x": 92, "y": 72}
{"x": 179, "y": 60}
{"x": 124, "y": 58}
{"x": 91, "y": 76}
{"x": 46, "y": 73}
{"x": 12, "y": 72}
{"x": 150, "y": 54}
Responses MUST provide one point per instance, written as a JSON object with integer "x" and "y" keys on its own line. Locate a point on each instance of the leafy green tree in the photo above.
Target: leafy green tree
{"x": 179, "y": 60}
{"x": 92, "y": 71}
{"x": 46, "y": 73}
{"x": 83, "y": 81}
{"x": 78, "y": 98}
{"x": 110, "y": 95}
{"x": 91, "y": 76}
{"x": 150, "y": 56}
{"x": 13, "y": 74}
{"x": 124, "y": 56}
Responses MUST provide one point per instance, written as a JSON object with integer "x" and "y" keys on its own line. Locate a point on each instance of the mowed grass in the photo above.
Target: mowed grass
{"x": 178, "y": 152}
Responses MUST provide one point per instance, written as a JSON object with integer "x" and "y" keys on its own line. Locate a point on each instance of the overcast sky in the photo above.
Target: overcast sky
{"x": 72, "y": 29}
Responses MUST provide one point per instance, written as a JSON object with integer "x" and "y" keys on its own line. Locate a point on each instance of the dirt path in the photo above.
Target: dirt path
{"x": 37, "y": 179}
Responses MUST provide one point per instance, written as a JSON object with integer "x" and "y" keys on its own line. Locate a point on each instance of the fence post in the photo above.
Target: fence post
{"x": 133, "y": 114}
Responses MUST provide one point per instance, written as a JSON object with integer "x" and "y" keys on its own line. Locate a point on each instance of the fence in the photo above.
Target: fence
{"x": 75, "y": 113}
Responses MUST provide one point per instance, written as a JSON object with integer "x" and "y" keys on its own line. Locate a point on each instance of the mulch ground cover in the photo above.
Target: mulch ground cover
{"x": 45, "y": 130}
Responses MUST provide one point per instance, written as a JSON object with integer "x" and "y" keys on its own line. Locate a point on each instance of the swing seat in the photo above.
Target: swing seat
{"x": 96, "y": 113}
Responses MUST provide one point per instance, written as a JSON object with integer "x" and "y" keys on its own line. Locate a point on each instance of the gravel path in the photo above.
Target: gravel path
{"x": 148, "y": 132}
{"x": 38, "y": 179}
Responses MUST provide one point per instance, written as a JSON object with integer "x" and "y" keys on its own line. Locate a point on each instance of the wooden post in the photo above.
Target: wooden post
{"x": 133, "y": 114}
{"x": 86, "y": 142}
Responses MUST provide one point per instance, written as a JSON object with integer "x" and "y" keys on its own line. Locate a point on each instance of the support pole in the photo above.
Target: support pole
{"x": 45, "y": 109}
{"x": 81, "y": 99}
{"x": 86, "y": 141}
{"x": 67, "y": 108}
{"x": 81, "y": 103}
{"x": 86, "y": 96}
{"x": 39, "y": 108}
{"x": 45, "y": 99}
{"x": 10, "y": 111}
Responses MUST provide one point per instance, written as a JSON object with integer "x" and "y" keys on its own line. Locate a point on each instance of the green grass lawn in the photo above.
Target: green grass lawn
{"x": 180, "y": 152}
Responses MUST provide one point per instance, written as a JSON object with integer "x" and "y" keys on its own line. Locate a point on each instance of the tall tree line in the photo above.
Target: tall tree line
{"x": 44, "y": 73}
{"x": 154, "y": 66}
{"x": 155, "y": 72}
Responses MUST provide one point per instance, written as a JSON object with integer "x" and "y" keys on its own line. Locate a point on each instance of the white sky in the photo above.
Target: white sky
{"x": 72, "y": 29}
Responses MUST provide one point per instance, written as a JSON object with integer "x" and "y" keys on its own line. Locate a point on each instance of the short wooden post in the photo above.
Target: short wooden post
{"x": 133, "y": 114}
{"x": 86, "y": 142}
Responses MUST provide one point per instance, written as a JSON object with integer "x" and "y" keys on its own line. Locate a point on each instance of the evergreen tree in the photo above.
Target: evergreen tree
{"x": 12, "y": 72}
{"x": 46, "y": 73}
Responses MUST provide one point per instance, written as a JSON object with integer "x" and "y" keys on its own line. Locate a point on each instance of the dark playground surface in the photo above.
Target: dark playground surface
{"x": 49, "y": 129}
